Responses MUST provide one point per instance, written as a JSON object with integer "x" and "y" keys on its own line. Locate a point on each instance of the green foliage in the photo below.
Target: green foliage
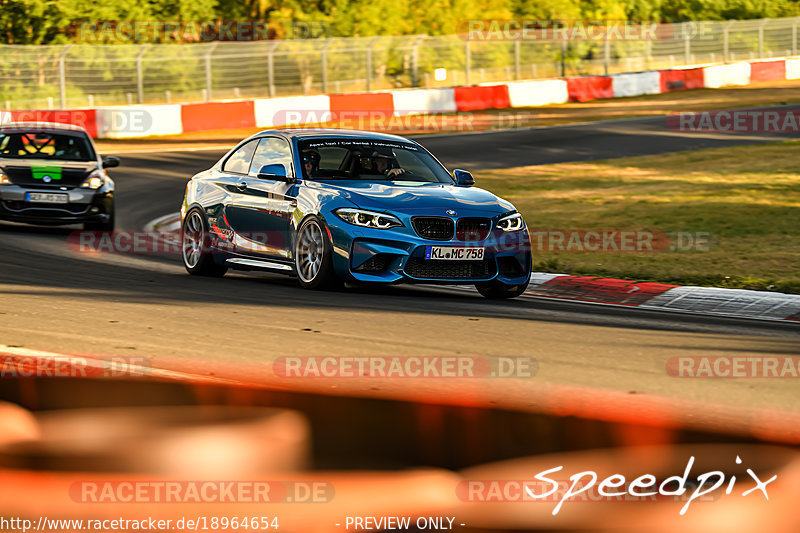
{"x": 46, "y": 21}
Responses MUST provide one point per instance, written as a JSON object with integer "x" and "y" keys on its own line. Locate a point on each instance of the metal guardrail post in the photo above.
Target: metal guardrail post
{"x": 369, "y": 63}
{"x": 325, "y": 64}
{"x": 726, "y": 41}
{"x": 467, "y": 61}
{"x": 687, "y": 43}
{"x": 140, "y": 74}
{"x": 415, "y": 61}
{"x": 606, "y": 54}
{"x": 62, "y": 76}
{"x": 208, "y": 71}
{"x": 271, "y": 68}
{"x": 761, "y": 38}
{"x": 517, "y": 54}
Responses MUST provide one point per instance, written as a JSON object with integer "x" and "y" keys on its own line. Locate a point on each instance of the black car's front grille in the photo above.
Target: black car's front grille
{"x": 37, "y": 209}
{"x": 434, "y": 228}
{"x": 472, "y": 229}
{"x": 434, "y": 269}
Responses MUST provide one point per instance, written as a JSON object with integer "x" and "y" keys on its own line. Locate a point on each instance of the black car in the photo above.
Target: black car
{"x": 51, "y": 174}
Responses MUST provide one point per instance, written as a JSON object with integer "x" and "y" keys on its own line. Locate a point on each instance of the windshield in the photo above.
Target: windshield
{"x": 369, "y": 160}
{"x": 40, "y": 145}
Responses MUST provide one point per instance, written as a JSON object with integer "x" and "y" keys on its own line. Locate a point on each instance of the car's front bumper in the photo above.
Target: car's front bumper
{"x": 388, "y": 256}
{"x": 84, "y": 205}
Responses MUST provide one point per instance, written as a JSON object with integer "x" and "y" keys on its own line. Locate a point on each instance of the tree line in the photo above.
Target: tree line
{"x": 57, "y": 21}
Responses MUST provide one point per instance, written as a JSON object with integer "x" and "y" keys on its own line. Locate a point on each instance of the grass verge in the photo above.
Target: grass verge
{"x": 743, "y": 203}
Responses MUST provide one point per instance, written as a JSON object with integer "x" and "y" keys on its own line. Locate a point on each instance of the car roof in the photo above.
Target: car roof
{"x": 323, "y": 133}
{"x": 41, "y": 126}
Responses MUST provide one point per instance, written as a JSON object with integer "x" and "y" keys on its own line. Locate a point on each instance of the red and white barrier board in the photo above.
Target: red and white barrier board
{"x": 717, "y": 76}
{"x": 636, "y": 83}
{"x": 792, "y": 69}
{"x": 537, "y": 93}
{"x": 421, "y": 101}
{"x": 139, "y": 121}
{"x": 275, "y": 112}
{"x": 681, "y": 79}
{"x": 479, "y": 97}
{"x": 148, "y": 120}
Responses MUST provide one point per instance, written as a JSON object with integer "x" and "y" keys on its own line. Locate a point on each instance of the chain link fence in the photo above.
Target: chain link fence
{"x": 81, "y": 75}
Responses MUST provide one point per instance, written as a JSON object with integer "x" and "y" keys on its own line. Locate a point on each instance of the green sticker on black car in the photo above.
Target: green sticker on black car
{"x": 46, "y": 174}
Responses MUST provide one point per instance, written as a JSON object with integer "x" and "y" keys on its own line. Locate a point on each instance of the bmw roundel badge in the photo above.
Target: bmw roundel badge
{"x": 47, "y": 179}
{"x": 451, "y": 212}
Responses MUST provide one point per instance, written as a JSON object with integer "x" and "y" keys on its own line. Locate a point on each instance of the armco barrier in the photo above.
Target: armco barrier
{"x": 217, "y": 116}
{"x": 681, "y": 79}
{"x": 413, "y": 101}
{"x": 143, "y": 120}
{"x": 139, "y": 121}
{"x": 350, "y": 106}
{"x": 636, "y": 84}
{"x": 792, "y": 69}
{"x": 767, "y": 70}
{"x": 537, "y": 92}
{"x": 724, "y": 75}
{"x": 273, "y": 112}
{"x": 479, "y": 97}
{"x": 588, "y": 88}
{"x": 85, "y": 118}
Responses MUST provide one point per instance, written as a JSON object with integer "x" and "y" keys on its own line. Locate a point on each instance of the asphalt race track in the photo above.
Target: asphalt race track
{"x": 58, "y": 300}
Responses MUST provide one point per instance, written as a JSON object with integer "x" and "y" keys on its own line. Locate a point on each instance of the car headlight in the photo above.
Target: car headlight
{"x": 4, "y": 179}
{"x": 513, "y": 222}
{"x": 368, "y": 219}
{"x": 95, "y": 180}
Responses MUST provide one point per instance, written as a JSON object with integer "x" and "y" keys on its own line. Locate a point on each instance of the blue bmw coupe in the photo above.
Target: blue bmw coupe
{"x": 330, "y": 206}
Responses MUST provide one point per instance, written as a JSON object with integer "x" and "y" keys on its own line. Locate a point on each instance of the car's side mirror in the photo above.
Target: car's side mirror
{"x": 275, "y": 172}
{"x": 111, "y": 161}
{"x": 463, "y": 177}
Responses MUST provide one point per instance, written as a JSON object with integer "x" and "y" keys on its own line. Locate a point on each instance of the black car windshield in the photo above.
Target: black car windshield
{"x": 45, "y": 145}
{"x": 369, "y": 160}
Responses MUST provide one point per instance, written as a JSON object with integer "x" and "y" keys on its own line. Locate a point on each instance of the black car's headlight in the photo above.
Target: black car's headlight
{"x": 513, "y": 222}
{"x": 95, "y": 180}
{"x": 4, "y": 179}
{"x": 368, "y": 219}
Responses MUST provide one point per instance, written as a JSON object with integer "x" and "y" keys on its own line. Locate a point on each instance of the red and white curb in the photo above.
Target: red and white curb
{"x": 738, "y": 303}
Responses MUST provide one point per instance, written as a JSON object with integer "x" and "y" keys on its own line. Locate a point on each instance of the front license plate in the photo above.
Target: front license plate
{"x": 454, "y": 253}
{"x": 47, "y": 198}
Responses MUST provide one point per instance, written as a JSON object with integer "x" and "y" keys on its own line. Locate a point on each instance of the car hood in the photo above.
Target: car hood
{"x": 416, "y": 197}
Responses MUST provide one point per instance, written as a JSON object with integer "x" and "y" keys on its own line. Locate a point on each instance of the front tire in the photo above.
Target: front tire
{"x": 197, "y": 258}
{"x": 313, "y": 257}
{"x": 101, "y": 226}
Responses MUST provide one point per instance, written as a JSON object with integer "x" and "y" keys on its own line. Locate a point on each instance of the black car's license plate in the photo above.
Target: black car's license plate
{"x": 47, "y": 198}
